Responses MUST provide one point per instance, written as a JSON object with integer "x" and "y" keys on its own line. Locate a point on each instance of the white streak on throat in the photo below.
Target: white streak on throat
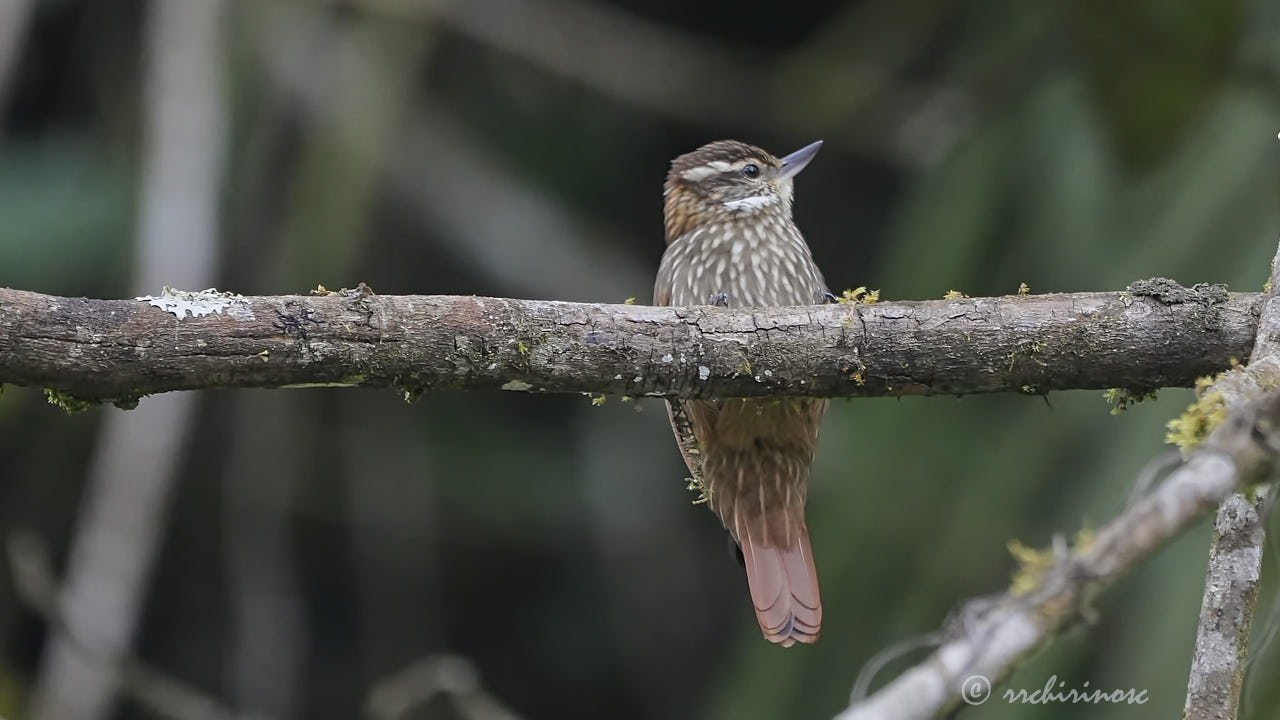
{"x": 752, "y": 203}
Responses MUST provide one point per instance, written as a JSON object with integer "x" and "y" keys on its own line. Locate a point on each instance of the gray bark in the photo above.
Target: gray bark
{"x": 1226, "y": 612}
{"x": 1235, "y": 556}
{"x": 994, "y": 635}
{"x": 122, "y": 515}
{"x": 991, "y": 636}
{"x": 1155, "y": 334}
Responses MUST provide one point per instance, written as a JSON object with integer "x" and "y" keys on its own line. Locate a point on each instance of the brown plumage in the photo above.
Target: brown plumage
{"x": 731, "y": 241}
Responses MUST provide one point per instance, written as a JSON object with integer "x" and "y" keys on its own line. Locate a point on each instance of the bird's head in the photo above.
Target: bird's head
{"x": 727, "y": 180}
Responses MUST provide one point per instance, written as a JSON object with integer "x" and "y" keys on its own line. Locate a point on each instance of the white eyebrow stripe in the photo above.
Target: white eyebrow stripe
{"x": 702, "y": 172}
{"x": 751, "y": 203}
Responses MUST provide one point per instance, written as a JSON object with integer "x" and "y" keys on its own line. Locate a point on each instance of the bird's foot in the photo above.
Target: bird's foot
{"x": 828, "y": 298}
{"x": 719, "y": 299}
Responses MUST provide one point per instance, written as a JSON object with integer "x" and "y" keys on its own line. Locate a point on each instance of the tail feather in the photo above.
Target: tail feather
{"x": 784, "y": 587}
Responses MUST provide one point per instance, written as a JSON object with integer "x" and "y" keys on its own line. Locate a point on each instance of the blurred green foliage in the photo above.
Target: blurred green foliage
{"x": 66, "y": 209}
{"x": 977, "y": 146}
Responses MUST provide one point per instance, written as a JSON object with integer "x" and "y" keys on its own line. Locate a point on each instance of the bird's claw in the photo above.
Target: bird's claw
{"x": 719, "y": 299}
{"x": 827, "y": 297}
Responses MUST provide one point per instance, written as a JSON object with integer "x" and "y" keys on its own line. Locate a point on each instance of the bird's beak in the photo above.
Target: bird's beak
{"x": 796, "y": 161}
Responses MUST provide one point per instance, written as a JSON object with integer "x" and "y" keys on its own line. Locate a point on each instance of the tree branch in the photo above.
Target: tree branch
{"x": 1226, "y": 611}
{"x": 989, "y": 637}
{"x": 993, "y": 635}
{"x": 123, "y": 510}
{"x": 1235, "y": 556}
{"x": 1154, "y": 334}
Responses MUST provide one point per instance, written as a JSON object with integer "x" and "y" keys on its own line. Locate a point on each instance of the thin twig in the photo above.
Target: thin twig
{"x": 160, "y": 693}
{"x": 1243, "y": 449}
{"x": 397, "y": 696}
{"x": 991, "y": 644}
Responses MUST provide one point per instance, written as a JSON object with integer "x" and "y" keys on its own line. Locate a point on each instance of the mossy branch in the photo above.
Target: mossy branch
{"x": 991, "y": 636}
{"x": 1232, "y": 441}
{"x": 1155, "y": 334}
{"x": 1239, "y": 534}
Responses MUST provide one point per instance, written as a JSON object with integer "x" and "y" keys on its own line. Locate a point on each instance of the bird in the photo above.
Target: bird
{"x": 732, "y": 242}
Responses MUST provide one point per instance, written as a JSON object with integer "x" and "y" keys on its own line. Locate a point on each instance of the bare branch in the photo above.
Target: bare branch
{"x": 988, "y": 642}
{"x": 399, "y": 695}
{"x": 1226, "y": 612}
{"x": 395, "y": 696}
{"x": 1235, "y": 556}
{"x": 992, "y": 640}
{"x": 1156, "y": 334}
{"x": 135, "y": 463}
{"x": 163, "y": 695}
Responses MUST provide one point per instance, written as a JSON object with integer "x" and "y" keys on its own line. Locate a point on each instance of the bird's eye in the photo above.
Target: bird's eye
{"x": 750, "y": 171}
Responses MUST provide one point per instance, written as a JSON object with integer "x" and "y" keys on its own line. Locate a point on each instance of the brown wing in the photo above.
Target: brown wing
{"x": 686, "y": 439}
{"x": 678, "y": 410}
{"x": 681, "y": 420}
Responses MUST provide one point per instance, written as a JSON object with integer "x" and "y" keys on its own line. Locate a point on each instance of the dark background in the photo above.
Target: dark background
{"x": 310, "y": 544}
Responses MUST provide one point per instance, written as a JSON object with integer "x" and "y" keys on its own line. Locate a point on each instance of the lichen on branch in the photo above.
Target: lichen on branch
{"x": 120, "y": 350}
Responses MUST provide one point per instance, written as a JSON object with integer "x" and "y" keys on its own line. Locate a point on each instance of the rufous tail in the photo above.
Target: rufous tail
{"x": 784, "y": 587}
